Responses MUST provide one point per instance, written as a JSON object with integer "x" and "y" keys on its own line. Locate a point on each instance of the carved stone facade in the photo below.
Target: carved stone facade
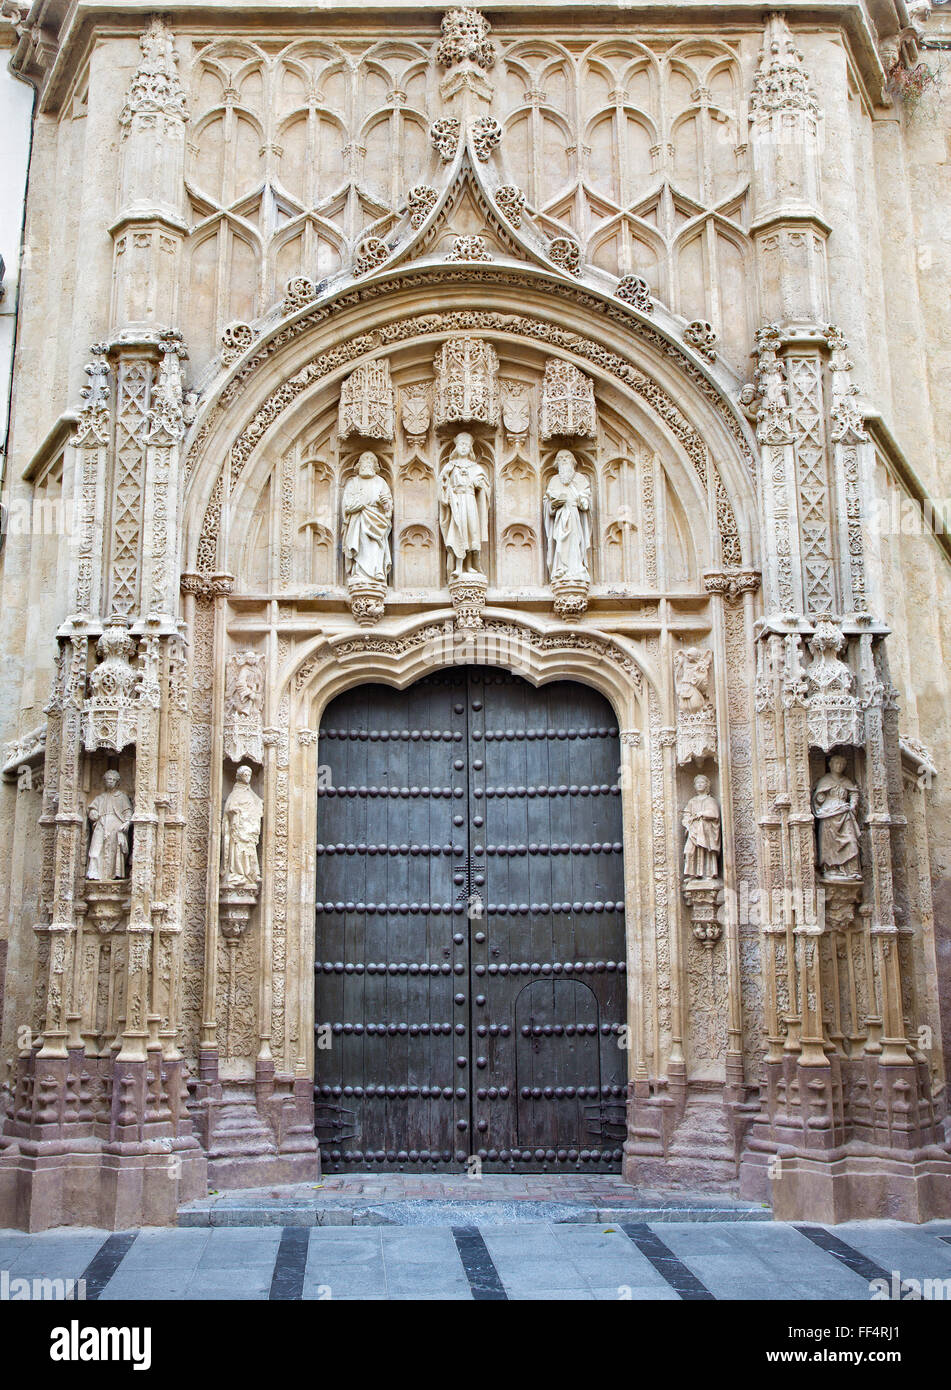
{"x": 517, "y": 344}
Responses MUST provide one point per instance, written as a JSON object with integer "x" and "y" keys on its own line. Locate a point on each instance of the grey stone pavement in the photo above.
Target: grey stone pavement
{"x": 690, "y": 1260}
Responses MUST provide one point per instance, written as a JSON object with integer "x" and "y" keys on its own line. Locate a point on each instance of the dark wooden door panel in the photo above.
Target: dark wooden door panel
{"x": 470, "y": 927}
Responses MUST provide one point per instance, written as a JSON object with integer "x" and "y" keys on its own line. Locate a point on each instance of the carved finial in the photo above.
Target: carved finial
{"x": 781, "y": 84}
{"x": 156, "y": 85}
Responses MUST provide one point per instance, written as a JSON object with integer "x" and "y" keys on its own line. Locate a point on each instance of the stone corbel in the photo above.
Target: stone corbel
{"x": 702, "y": 896}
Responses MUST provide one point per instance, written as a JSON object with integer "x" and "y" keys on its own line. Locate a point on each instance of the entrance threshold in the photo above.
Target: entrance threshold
{"x": 396, "y": 1199}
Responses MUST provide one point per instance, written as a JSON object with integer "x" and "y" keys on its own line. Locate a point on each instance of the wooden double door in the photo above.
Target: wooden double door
{"x": 470, "y": 942}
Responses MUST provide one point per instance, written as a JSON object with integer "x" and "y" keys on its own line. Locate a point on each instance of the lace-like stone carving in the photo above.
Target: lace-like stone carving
{"x": 634, "y": 290}
{"x": 510, "y": 200}
{"x": 371, "y": 252}
{"x": 701, "y": 335}
{"x": 486, "y": 134}
{"x": 568, "y": 405}
{"x": 111, "y": 713}
{"x": 467, "y": 382}
{"x": 298, "y": 292}
{"x": 445, "y": 136}
{"x": 566, "y": 254}
{"x": 469, "y": 248}
{"x": 366, "y": 402}
{"x": 421, "y": 200}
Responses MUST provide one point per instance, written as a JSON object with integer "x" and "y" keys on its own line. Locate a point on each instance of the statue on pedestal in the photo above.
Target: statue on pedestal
{"x": 111, "y": 815}
{"x": 835, "y": 800}
{"x": 463, "y": 507}
{"x": 240, "y": 833}
{"x": 701, "y": 820}
{"x": 568, "y": 522}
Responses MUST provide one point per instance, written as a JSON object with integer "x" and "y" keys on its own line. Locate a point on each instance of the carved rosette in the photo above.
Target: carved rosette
{"x": 367, "y": 404}
{"x": 111, "y": 713}
{"x": 467, "y": 592}
{"x": 297, "y": 293}
{"x": 235, "y": 338}
{"x": 565, "y": 254}
{"x": 467, "y": 382}
{"x": 568, "y": 406}
{"x": 366, "y": 600}
{"x": 244, "y": 707}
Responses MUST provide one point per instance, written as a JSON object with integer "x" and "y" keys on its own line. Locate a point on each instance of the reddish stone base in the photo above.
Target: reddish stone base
{"x": 55, "y": 1183}
{"x": 850, "y": 1185}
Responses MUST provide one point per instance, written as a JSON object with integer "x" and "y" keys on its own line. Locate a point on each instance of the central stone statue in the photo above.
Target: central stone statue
{"x": 463, "y": 507}
{"x": 111, "y": 816}
{"x": 368, "y": 514}
{"x": 241, "y": 831}
{"x": 568, "y": 521}
{"x": 835, "y": 800}
{"x": 701, "y": 820}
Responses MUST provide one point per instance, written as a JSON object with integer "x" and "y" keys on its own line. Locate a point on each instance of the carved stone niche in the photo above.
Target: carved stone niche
{"x": 244, "y": 707}
{"x": 568, "y": 406}
{"x": 834, "y": 714}
{"x": 110, "y": 714}
{"x": 696, "y": 715}
{"x": 467, "y": 382}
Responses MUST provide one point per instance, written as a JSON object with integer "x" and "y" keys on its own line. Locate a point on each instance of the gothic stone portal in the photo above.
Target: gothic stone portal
{"x": 470, "y": 927}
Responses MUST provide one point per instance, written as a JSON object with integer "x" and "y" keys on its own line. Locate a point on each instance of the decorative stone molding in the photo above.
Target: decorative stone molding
{"x": 773, "y": 415}
{"x": 166, "y": 415}
{"x": 467, "y": 382}
{"x": 634, "y": 290}
{"x": 244, "y": 707}
{"x": 24, "y": 752}
{"x": 510, "y": 200}
{"x": 701, "y": 336}
{"x": 696, "y": 716}
{"x": 111, "y": 713}
{"x": 568, "y": 405}
{"x": 732, "y": 584}
{"x": 367, "y": 405}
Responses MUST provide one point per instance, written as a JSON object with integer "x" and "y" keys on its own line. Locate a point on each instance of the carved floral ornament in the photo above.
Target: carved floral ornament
{"x": 483, "y": 387}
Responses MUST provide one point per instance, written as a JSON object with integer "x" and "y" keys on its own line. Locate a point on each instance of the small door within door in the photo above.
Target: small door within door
{"x": 470, "y": 943}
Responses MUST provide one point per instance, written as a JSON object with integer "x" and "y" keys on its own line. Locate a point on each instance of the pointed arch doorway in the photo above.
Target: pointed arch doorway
{"x": 470, "y": 938}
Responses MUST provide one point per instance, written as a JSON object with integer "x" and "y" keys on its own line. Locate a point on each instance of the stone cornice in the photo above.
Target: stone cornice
{"x": 57, "y": 36}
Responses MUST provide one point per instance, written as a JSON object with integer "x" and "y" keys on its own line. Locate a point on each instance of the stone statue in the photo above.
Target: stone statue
{"x": 368, "y": 516}
{"x": 835, "y": 800}
{"x": 463, "y": 507}
{"x": 241, "y": 831}
{"x": 568, "y": 521}
{"x": 111, "y": 815}
{"x": 701, "y": 820}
